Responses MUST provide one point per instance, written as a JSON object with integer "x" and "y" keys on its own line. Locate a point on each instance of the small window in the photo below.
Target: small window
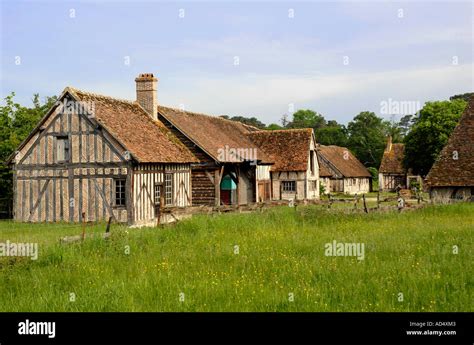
{"x": 311, "y": 162}
{"x": 120, "y": 192}
{"x": 168, "y": 189}
{"x": 157, "y": 193}
{"x": 289, "y": 186}
{"x": 62, "y": 149}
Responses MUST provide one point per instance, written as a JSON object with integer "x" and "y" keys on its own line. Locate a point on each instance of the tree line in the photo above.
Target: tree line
{"x": 424, "y": 133}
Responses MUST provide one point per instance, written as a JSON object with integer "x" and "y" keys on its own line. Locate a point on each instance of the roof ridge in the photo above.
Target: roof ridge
{"x": 218, "y": 117}
{"x": 284, "y": 130}
{"x": 98, "y": 95}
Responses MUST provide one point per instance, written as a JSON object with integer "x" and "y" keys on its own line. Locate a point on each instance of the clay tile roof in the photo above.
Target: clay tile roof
{"x": 289, "y": 148}
{"x": 147, "y": 140}
{"x": 215, "y": 135}
{"x": 323, "y": 170}
{"x": 447, "y": 171}
{"x": 344, "y": 161}
{"x": 392, "y": 160}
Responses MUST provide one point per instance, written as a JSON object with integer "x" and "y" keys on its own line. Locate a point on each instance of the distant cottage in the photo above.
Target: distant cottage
{"x": 295, "y": 172}
{"x": 392, "y": 174}
{"x": 341, "y": 171}
{"x": 452, "y": 175}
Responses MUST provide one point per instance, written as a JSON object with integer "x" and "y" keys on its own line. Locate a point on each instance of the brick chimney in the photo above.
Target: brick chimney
{"x": 147, "y": 93}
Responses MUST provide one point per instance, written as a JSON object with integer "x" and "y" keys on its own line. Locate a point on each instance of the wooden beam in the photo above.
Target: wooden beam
{"x": 104, "y": 200}
{"x": 70, "y": 200}
{"x": 38, "y": 201}
{"x": 57, "y": 166}
{"x": 210, "y": 176}
{"x": 129, "y": 194}
{"x": 217, "y": 188}
{"x": 36, "y": 142}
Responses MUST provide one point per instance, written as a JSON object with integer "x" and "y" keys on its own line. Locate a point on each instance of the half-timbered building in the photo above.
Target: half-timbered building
{"x": 92, "y": 157}
{"x": 392, "y": 174}
{"x": 230, "y": 163}
{"x": 347, "y": 174}
{"x": 295, "y": 172}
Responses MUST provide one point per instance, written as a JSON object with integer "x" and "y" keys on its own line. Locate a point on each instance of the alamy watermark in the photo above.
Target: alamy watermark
{"x": 394, "y": 107}
{"x": 335, "y": 248}
{"x": 231, "y": 154}
{"x": 86, "y": 108}
{"x": 19, "y": 249}
{"x": 37, "y": 328}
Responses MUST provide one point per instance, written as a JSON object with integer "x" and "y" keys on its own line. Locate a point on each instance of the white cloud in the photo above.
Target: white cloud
{"x": 269, "y": 95}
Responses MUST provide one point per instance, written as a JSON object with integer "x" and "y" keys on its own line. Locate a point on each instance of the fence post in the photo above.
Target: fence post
{"x": 83, "y": 225}
{"x": 378, "y": 199}
{"x": 107, "y": 229}
{"x": 365, "y": 204}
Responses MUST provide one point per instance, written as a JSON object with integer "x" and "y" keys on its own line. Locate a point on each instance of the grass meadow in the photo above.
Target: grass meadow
{"x": 269, "y": 261}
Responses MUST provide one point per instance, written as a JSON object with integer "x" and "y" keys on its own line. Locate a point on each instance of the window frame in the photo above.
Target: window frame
{"x": 66, "y": 148}
{"x": 120, "y": 183}
{"x": 157, "y": 187}
{"x": 287, "y": 183}
{"x": 168, "y": 192}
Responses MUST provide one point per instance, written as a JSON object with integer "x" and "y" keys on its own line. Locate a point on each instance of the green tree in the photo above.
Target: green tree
{"x": 394, "y": 130}
{"x": 306, "y": 118}
{"x": 251, "y": 121}
{"x": 405, "y": 124}
{"x": 332, "y": 134}
{"x": 367, "y": 135}
{"x": 430, "y": 133}
{"x": 274, "y": 126}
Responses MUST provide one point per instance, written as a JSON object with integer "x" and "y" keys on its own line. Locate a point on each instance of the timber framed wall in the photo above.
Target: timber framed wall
{"x": 146, "y": 177}
{"x": 48, "y": 190}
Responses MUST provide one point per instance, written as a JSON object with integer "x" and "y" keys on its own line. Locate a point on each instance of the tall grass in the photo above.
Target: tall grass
{"x": 280, "y": 252}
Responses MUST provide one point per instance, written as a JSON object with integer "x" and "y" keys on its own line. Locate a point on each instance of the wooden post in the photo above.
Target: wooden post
{"x": 129, "y": 194}
{"x": 329, "y": 200}
{"x": 217, "y": 189}
{"x": 378, "y": 199}
{"x": 83, "y": 225}
{"x": 107, "y": 229}
{"x": 355, "y": 201}
{"x": 365, "y": 204}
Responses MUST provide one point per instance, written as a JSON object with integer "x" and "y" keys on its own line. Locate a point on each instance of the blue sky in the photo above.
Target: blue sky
{"x": 338, "y": 58}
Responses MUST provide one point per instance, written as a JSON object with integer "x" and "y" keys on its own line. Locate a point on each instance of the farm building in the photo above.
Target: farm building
{"x": 325, "y": 179}
{"x": 391, "y": 172}
{"x": 452, "y": 175}
{"x": 103, "y": 157}
{"x": 295, "y": 172}
{"x": 229, "y": 163}
{"x": 347, "y": 174}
